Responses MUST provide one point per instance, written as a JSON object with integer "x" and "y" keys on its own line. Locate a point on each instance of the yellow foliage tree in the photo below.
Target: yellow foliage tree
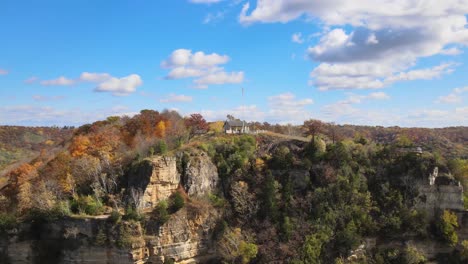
{"x": 160, "y": 130}
{"x": 79, "y": 146}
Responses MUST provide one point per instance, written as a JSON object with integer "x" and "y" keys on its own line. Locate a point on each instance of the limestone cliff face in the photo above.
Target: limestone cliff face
{"x": 67, "y": 241}
{"x": 441, "y": 197}
{"x": 200, "y": 176}
{"x": 440, "y": 193}
{"x": 155, "y": 179}
{"x": 186, "y": 238}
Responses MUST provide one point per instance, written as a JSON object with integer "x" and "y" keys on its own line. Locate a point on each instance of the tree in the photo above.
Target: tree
{"x": 446, "y": 225}
{"x": 269, "y": 206}
{"x": 313, "y": 127}
{"x": 196, "y": 125}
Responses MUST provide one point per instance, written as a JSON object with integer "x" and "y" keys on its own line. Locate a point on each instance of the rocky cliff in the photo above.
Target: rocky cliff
{"x": 185, "y": 238}
{"x": 200, "y": 175}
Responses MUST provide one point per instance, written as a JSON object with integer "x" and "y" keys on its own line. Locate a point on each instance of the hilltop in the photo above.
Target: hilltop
{"x": 160, "y": 187}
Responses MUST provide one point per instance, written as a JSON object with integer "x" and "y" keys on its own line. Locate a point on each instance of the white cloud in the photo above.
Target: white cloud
{"x": 105, "y": 82}
{"x": 451, "y": 51}
{"x": 204, "y": 1}
{"x": 285, "y": 108}
{"x": 184, "y": 72}
{"x": 213, "y": 17}
{"x": 176, "y": 98}
{"x": 185, "y": 57}
{"x": 219, "y": 77}
{"x": 206, "y": 68}
{"x": 345, "y": 108}
{"x": 41, "y": 98}
{"x": 282, "y": 108}
{"x": 60, "y": 81}
{"x": 120, "y": 86}
{"x": 3, "y": 72}
{"x": 365, "y": 75}
{"x": 454, "y": 97}
{"x": 391, "y": 35}
{"x": 31, "y": 80}
{"x": 94, "y": 77}
{"x": 297, "y": 38}
{"x": 29, "y": 115}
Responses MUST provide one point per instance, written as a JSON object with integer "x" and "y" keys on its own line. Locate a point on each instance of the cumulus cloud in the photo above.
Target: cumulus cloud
{"x": 297, "y": 38}
{"x": 368, "y": 75}
{"x": 94, "y": 77}
{"x": 60, "y": 81}
{"x": 205, "y": 68}
{"x": 454, "y": 97}
{"x": 3, "y": 72}
{"x": 390, "y": 36}
{"x": 105, "y": 82}
{"x": 219, "y": 77}
{"x": 120, "y": 86}
{"x": 176, "y": 98}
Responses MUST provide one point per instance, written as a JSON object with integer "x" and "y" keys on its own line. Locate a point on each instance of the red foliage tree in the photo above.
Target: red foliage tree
{"x": 196, "y": 125}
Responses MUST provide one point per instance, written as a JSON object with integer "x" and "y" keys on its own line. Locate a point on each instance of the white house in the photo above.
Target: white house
{"x": 236, "y": 127}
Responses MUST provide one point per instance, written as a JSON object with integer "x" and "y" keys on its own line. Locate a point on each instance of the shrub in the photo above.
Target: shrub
{"x": 115, "y": 217}
{"x": 7, "y": 222}
{"x": 247, "y": 251}
{"x": 216, "y": 201}
{"x": 101, "y": 238}
{"x": 177, "y": 202}
{"x": 160, "y": 213}
{"x": 132, "y": 213}
{"x": 86, "y": 205}
{"x": 125, "y": 239}
{"x": 446, "y": 225}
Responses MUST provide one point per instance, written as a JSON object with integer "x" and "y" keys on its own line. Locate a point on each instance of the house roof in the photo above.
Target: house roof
{"x": 235, "y": 123}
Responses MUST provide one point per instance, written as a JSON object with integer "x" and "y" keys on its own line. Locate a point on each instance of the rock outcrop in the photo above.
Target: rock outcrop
{"x": 200, "y": 175}
{"x": 154, "y": 180}
{"x": 187, "y": 236}
{"x": 441, "y": 192}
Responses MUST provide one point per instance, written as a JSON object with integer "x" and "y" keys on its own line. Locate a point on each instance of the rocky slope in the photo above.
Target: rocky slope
{"x": 186, "y": 237}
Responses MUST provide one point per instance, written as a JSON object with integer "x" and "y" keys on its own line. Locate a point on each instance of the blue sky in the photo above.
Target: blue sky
{"x": 398, "y": 62}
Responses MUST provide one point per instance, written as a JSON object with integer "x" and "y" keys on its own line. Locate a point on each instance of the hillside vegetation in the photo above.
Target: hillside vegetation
{"x": 282, "y": 200}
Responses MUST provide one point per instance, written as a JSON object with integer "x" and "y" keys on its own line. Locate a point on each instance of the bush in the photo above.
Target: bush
{"x": 101, "y": 238}
{"x": 177, "y": 202}
{"x": 247, "y": 251}
{"x": 115, "y": 217}
{"x": 125, "y": 239}
{"x": 446, "y": 225}
{"x": 7, "y": 222}
{"x": 132, "y": 214}
{"x": 86, "y": 205}
{"x": 160, "y": 213}
{"x": 216, "y": 201}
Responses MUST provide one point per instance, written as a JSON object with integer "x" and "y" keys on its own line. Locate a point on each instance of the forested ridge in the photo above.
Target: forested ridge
{"x": 281, "y": 200}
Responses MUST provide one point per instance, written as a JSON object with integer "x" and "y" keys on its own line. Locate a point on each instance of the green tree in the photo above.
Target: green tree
{"x": 446, "y": 225}
{"x": 269, "y": 207}
{"x": 160, "y": 213}
{"x": 247, "y": 251}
